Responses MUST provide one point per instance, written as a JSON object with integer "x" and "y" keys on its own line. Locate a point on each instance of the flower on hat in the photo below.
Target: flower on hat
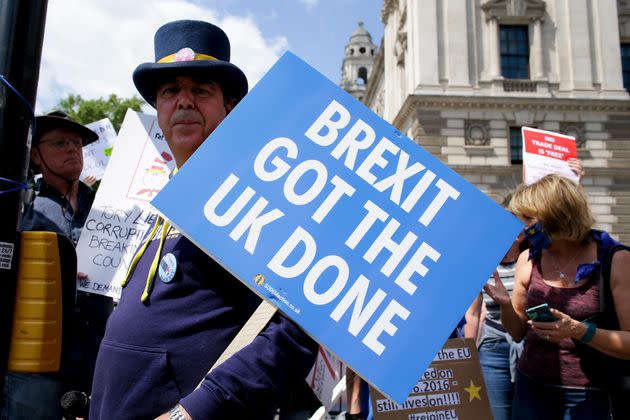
{"x": 185, "y": 54}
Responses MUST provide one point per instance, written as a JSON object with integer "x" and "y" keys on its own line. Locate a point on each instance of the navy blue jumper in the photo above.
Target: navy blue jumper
{"x": 154, "y": 354}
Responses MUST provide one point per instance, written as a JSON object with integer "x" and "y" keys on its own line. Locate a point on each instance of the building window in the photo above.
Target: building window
{"x": 625, "y": 65}
{"x": 516, "y": 146}
{"x": 362, "y": 75}
{"x": 514, "y": 43}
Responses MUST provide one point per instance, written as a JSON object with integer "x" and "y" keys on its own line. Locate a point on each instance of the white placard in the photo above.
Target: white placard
{"x": 6, "y": 255}
{"x": 139, "y": 167}
{"x": 96, "y": 155}
{"x": 325, "y": 376}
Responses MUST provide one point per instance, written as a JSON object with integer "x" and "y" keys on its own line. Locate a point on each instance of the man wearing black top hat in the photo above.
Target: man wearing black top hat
{"x": 61, "y": 205}
{"x": 179, "y": 309}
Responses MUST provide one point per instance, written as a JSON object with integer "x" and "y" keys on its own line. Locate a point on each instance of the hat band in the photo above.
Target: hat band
{"x": 173, "y": 58}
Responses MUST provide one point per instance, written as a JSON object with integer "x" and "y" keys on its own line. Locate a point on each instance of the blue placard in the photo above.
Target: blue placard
{"x": 352, "y": 230}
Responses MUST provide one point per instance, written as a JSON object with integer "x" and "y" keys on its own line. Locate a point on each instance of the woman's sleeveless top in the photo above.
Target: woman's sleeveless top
{"x": 564, "y": 363}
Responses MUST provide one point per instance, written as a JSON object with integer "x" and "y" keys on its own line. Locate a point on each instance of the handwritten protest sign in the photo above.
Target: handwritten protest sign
{"x": 545, "y": 152}
{"x": 139, "y": 167}
{"x": 96, "y": 155}
{"x": 368, "y": 242}
{"x": 451, "y": 388}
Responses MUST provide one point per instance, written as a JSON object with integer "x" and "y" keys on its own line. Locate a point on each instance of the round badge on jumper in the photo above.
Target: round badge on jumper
{"x": 168, "y": 268}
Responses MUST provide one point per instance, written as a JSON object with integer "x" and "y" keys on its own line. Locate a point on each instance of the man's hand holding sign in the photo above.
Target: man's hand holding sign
{"x": 347, "y": 226}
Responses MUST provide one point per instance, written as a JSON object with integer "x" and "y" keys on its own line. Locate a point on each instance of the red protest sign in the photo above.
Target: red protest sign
{"x": 546, "y": 152}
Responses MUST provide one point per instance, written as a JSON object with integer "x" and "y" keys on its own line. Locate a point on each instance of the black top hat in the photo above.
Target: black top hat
{"x": 59, "y": 119}
{"x": 194, "y": 48}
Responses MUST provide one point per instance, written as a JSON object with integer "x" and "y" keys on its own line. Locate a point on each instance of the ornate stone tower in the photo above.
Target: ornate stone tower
{"x": 357, "y": 63}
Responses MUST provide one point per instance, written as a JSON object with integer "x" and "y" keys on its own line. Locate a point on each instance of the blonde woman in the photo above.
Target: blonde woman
{"x": 558, "y": 375}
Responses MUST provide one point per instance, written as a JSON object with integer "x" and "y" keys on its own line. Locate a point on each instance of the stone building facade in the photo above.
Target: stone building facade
{"x": 460, "y": 77}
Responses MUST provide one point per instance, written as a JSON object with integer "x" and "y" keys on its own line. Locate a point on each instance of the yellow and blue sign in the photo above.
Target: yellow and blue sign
{"x": 368, "y": 242}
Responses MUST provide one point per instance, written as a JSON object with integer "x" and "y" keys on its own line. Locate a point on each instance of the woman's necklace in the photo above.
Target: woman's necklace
{"x": 562, "y": 272}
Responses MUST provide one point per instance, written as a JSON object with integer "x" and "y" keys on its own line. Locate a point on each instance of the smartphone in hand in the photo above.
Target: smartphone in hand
{"x": 540, "y": 313}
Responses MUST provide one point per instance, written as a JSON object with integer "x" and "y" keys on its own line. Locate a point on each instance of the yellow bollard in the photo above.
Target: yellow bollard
{"x": 37, "y": 321}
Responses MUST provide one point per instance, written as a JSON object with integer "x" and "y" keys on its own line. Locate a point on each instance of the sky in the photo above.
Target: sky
{"x": 91, "y": 47}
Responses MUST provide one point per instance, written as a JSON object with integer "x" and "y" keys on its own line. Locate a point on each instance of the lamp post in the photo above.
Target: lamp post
{"x": 21, "y": 38}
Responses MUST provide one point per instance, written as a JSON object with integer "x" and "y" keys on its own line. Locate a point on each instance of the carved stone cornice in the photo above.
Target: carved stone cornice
{"x": 621, "y": 176}
{"x": 476, "y": 103}
{"x": 388, "y": 8}
{"x": 507, "y": 170}
{"x": 514, "y": 10}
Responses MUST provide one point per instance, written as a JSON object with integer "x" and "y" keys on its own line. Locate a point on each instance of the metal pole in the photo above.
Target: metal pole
{"x": 21, "y": 38}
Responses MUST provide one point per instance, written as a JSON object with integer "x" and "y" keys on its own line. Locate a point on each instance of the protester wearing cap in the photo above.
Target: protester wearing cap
{"x": 63, "y": 202}
{"x": 179, "y": 309}
{"x": 61, "y": 205}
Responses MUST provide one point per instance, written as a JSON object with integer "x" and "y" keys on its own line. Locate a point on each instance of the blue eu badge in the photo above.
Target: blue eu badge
{"x": 168, "y": 268}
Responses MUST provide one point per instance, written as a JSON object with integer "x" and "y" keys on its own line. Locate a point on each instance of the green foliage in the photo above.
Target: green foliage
{"x": 85, "y": 111}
